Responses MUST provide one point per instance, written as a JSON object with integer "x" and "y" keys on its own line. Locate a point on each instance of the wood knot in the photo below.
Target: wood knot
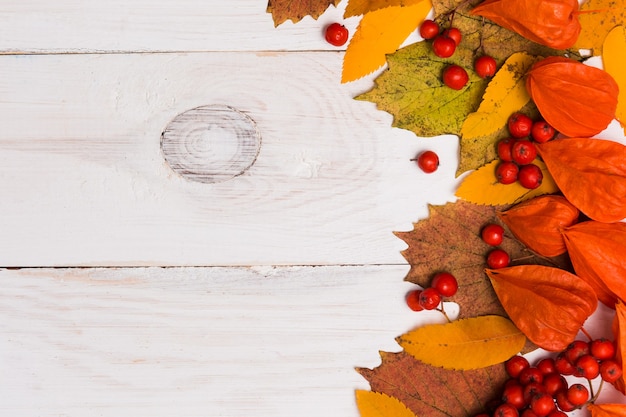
{"x": 210, "y": 144}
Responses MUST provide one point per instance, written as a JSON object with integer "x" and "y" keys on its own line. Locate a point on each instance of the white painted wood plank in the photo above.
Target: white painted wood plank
{"x": 42, "y": 26}
{"x": 85, "y": 182}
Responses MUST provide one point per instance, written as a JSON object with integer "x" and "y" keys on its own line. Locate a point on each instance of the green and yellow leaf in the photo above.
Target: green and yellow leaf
{"x": 614, "y": 60}
{"x": 376, "y": 404}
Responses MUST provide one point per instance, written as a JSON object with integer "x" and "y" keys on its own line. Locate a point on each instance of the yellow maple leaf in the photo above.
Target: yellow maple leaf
{"x": 377, "y": 404}
{"x": 465, "y": 344}
{"x": 597, "y": 19}
{"x": 359, "y": 7}
{"x": 481, "y": 187}
{"x": 379, "y": 33}
{"x": 614, "y": 61}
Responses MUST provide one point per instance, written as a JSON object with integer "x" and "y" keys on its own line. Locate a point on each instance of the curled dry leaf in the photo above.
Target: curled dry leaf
{"x": 577, "y": 99}
{"x": 591, "y": 173}
{"x": 465, "y": 344}
{"x": 549, "y": 305}
{"x": 597, "y": 253}
{"x": 553, "y": 23}
{"x": 539, "y": 222}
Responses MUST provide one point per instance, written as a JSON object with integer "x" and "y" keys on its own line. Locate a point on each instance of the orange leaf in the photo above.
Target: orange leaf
{"x": 591, "y": 173}
{"x": 619, "y": 333}
{"x": 538, "y": 223}
{"x": 597, "y": 251}
{"x": 379, "y": 33}
{"x": 607, "y": 410}
{"x": 375, "y": 404}
{"x": 549, "y": 305}
{"x": 577, "y": 99}
{"x": 360, "y": 7}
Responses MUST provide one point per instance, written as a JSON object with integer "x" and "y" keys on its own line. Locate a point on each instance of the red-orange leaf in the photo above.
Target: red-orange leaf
{"x": 591, "y": 173}
{"x": 549, "y": 305}
{"x": 607, "y": 410}
{"x": 619, "y": 334}
{"x": 577, "y": 99}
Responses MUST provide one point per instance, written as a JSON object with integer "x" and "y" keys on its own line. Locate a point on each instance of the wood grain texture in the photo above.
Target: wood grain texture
{"x": 80, "y": 155}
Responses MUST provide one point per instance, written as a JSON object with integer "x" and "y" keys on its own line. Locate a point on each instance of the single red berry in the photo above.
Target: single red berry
{"x": 575, "y": 350}
{"x": 528, "y": 413}
{"x": 519, "y": 125}
{"x": 523, "y": 152}
{"x": 530, "y": 176}
{"x": 546, "y": 366}
{"x": 443, "y": 46}
{"x": 497, "y": 259}
{"x": 554, "y": 382}
{"x": 542, "y": 405}
{"x": 557, "y": 413}
{"x": 610, "y": 371}
{"x": 514, "y": 394}
{"x": 515, "y": 365}
{"x": 602, "y": 349}
{"x": 336, "y": 34}
{"x": 506, "y": 410}
{"x": 507, "y": 172}
{"x": 455, "y": 77}
{"x": 563, "y": 364}
{"x": 542, "y": 131}
{"x": 429, "y": 29}
{"x": 454, "y": 34}
{"x": 587, "y": 366}
{"x": 445, "y": 283}
{"x": 563, "y": 403}
{"x": 485, "y": 66}
{"x": 492, "y": 234}
{"x": 505, "y": 149}
{"x": 530, "y": 374}
{"x": 577, "y": 394}
{"x": 532, "y": 390}
{"x": 413, "y": 300}
{"x": 429, "y": 299}
{"x": 428, "y": 161}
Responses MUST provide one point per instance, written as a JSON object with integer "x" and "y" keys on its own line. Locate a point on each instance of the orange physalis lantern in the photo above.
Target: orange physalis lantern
{"x": 577, "y": 99}
{"x": 548, "y": 22}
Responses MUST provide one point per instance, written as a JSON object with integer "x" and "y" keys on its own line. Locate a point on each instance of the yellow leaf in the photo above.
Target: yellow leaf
{"x": 359, "y": 7}
{"x": 481, "y": 187}
{"x": 505, "y": 94}
{"x": 376, "y": 404}
{"x": 597, "y": 18}
{"x": 465, "y": 344}
{"x": 614, "y": 61}
{"x": 379, "y": 33}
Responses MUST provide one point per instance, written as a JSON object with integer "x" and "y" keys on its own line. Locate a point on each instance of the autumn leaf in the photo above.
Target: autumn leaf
{"x": 482, "y": 187}
{"x": 376, "y": 404}
{"x": 607, "y": 410}
{"x": 548, "y": 304}
{"x": 597, "y": 20}
{"x": 379, "y": 33}
{"x": 449, "y": 240}
{"x": 360, "y": 7}
{"x": 296, "y": 10}
{"x": 435, "y": 392}
{"x": 465, "y": 344}
{"x": 614, "y": 61}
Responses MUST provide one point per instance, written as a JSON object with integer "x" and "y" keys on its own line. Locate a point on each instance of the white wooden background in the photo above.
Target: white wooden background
{"x": 127, "y": 290}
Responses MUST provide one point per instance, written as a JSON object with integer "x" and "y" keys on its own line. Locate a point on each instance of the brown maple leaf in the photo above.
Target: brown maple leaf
{"x": 449, "y": 240}
{"x": 435, "y": 392}
{"x": 296, "y": 10}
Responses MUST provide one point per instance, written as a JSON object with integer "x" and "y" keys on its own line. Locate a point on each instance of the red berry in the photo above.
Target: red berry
{"x": 530, "y": 374}
{"x": 554, "y": 382}
{"x": 413, "y": 300}
{"x": 445, "y": 283}
{"x": 492, "y": 234}
{"x": 577, "y": 394}
{"x": 602, "y": 349}
{"x": 557, "y": 413}
{"x": 443, "y": 46}
{"x": 610, "y": 371}
{"x": 563, "y": 364}
{"x": 497, "y": 259}
{"x": 428, "y": 161}
{"x": 532, "y": 390}
{"x": 546, "y": 366}
{"x": 542, "y": 131}
{"x": 429, "y": 29}
{"x": 336, "y": 34}
{"x": 485, "y": 66}
{"x": 454, "y": 34}
{"x": 528, "y": 413}
{"x": 507, "y": 172}
{"x": 506, "y": 410}
{"x": 455, "y": 77}
{"x": 542, "y": 405}
{"x": 563, "y": 403}
{"x": 515, "y": 365}
{"x": 505, "y": 149}
{"x": 575, "y": 350}
{"x": 523, "y": 151}
{"x": 429, "y": 299}
{"x": 514, "y": 394}
{"x": 519, "y": 125}
{"x": 530, "y": 176}
{"x": 587, "y": 366}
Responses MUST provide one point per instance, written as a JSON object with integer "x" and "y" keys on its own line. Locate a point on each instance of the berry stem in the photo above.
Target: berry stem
{"x": 595, "y": 396}
{"x": 443, "y": 311}
{"x": 586, "y": 333}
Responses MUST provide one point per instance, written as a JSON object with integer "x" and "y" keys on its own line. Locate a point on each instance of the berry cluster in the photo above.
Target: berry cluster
{"x": 542, "y": 390}
{"x": 517, "y": 152}
{"x": 443, "y": 284}
{"x": 444, "y": 43}
{"x": 493, "y": 235}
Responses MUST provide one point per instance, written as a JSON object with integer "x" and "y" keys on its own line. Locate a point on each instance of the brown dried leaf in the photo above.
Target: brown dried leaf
{"x": 296, "y": 10}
